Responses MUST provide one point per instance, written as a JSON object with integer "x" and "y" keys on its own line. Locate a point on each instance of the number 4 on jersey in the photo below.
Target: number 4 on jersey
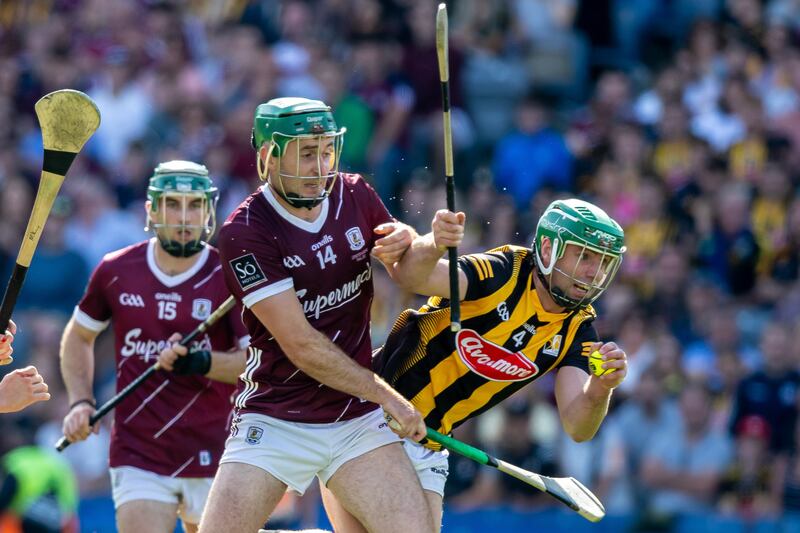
{"x": 327, "y": 257}
{"x": 518, "y": 338}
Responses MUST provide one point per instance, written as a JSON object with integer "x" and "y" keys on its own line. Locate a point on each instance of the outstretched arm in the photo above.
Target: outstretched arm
{"x": 419, "y": 268}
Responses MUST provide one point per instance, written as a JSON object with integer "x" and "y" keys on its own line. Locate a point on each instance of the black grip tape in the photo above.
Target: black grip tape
{"x": 57, "y": 162}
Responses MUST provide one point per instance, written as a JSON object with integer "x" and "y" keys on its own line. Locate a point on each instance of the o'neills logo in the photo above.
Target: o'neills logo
{"x": 492, "y": 361}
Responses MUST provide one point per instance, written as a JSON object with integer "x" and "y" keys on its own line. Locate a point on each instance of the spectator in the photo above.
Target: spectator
{"x": 534, "y": 140}
{"x": 770, "y": 392}
{"x": 684, "y": 463}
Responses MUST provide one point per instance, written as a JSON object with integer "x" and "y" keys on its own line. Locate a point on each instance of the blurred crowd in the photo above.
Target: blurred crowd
{"x": 680, "y": 118}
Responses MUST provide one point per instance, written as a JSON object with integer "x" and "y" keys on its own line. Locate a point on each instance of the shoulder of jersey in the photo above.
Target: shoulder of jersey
{"x": 351, "y": 179}
{"x": 512, "y": 249}
{"x": 134, "y": 251}
{"x": 244, "y": 213}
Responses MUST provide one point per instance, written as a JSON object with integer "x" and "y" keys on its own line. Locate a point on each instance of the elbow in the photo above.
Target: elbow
{"x": 579, "y": 435}
{"x": 297, "y": 350}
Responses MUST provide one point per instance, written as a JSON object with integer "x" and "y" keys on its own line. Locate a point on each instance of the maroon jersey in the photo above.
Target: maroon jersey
{"x": 266, "y": 250}
{"x": 171, "y": 425}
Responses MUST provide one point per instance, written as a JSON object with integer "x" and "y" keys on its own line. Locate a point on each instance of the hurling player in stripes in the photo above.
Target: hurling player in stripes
{"x": 524, "y": 312}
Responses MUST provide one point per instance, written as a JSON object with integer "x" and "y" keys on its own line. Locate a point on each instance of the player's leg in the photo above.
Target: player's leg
{"x": 340, "y": 519}
{"x": 147, "y": 515}
{"x": 194, "y": 494}
{"x": 263, "y": 456}
{"x": 432, "y": 470}
{"x": 144, "y": 501}
{"x": 241, "y": 499}
{"x": 435, "y": 505}
{"x": 344, "y": 522}
{"x": 381, "y": 490}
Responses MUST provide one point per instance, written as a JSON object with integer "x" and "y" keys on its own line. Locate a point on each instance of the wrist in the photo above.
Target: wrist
{"x": 382, "y": 393}
{"x": 596, "y": 391}
{"x": 195, "y": 363}
{"x": 88, "y": 401}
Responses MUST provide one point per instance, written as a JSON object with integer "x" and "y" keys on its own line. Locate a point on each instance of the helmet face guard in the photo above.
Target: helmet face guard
{"x": 183, "y": 204}
{"x": 589, "y": 235}
{"x": 318, "y": 145}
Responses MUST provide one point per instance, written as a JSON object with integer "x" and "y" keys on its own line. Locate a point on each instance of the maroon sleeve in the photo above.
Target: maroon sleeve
{"x": 237, "y": 326}
{"x": 94, "y": 309}
{"x": 376, "y": 210}
{"x": 252, "y": 263}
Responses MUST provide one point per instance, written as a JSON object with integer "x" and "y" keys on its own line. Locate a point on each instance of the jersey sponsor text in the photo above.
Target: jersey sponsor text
{"x": 491, "y": 361}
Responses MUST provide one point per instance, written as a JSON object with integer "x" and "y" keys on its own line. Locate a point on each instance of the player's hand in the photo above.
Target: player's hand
{"x": 398, "y": 237}
{"x": 448, "y": 228}
{"x": 168, "y": 356}
{"x": 404, "y": 419}
{"x": 614, "y": 357}
{"x": 76, "y": 424}
{"x": 20, "y": 388}
{"x": 5, "y": 344}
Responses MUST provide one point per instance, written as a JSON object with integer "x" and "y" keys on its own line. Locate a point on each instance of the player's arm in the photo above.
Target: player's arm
{"x": 420, "y": 268}
{"x": 582, "y": 399}
{"x": 77, "y": 370}
{"x": 315, "y": 355}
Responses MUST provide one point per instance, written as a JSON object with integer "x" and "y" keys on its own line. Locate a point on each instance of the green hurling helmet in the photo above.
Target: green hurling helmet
{"x": 582, "y": 224}
{"x": 184, "y": 181}
{"x": 281, "y": 121}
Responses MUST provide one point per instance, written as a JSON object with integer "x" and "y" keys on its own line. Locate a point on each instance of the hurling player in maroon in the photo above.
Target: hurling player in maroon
{"x": 297, "y": 254}
{"x": 169, "y": 434}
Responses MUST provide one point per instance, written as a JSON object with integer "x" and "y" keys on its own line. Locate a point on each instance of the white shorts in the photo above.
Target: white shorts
{"x": 129, "y": 483}
{"x": 432, "y": 467}
{"x": 295, "y": 452}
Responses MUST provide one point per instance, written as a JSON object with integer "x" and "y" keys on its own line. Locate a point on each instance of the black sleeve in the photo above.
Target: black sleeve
{"x": 578, "y": 352}
{"x": 486, "y": 272}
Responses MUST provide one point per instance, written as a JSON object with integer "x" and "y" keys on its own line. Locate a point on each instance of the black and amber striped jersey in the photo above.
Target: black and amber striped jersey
{"x": 506, "y": 341}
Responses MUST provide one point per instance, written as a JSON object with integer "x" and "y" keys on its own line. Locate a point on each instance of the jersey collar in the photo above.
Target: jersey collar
{"x": 311, "y": 227}
{"x": 173, "y": 281}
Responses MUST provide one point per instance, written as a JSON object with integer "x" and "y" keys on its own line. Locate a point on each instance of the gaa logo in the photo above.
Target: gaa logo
{"x": 293, "y": 261}
{"x": 131, "y": 300}
{"x": 502, "y": 311}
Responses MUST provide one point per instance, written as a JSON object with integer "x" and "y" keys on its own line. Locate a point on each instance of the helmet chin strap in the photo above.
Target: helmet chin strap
{"x": 556, "y": 293}
{"x": 295, "y": 200}
{"x": 177, "y": 249}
